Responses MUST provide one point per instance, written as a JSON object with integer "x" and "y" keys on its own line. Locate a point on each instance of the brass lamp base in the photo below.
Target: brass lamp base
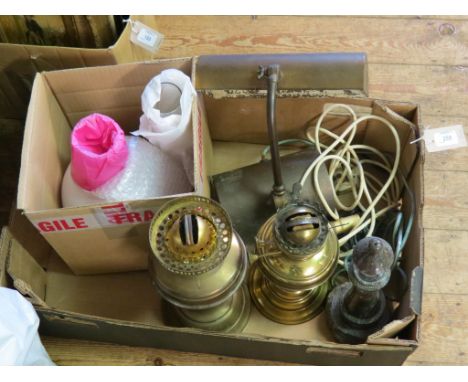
{"x": 231, "y": 316}
{"x": 285, "y": 306}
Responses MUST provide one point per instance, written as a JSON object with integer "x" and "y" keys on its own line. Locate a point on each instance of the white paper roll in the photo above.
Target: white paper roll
{"x": 167, "y": 107}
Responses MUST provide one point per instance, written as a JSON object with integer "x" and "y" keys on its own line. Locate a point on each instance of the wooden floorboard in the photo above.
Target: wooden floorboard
{"x": 444, "y": 329}
{"x": 445, "y": 263}
{"x": 417, "y": 59}
{"x": 440, "y": 90}
{"x": 446, "y": 201}
{"x": 76, "y": 352}
{"x": 386, "y": 40}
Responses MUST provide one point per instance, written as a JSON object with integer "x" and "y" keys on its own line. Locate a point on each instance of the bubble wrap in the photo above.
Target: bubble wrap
{"x": 149, "y": 173}
{"x": 75, "y": 196}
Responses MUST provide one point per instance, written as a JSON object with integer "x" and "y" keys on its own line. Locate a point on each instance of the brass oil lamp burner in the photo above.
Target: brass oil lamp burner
{"x": 198, "y": 264}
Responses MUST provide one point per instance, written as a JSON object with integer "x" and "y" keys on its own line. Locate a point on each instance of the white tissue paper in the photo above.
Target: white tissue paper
{"x": 19, "y": 341}
{"x": 167, "y": 107}
{"x": 149, "y": 173}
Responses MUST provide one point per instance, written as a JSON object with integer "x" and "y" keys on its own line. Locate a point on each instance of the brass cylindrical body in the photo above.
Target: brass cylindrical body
{"x": 199, "y": 264}
{"x": 297, "y": 252}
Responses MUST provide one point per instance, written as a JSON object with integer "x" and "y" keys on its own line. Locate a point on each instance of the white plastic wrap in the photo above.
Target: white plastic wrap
{"x": 19, "y": 341}
{"x": 149, "y": 173}
{"x": 167, "y": 107}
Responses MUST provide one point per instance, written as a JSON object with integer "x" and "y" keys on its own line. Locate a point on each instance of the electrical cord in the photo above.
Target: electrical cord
{"x": 349, "y": 170}
{"x": 346, "y": 163}
{"x": 266, "y": 150}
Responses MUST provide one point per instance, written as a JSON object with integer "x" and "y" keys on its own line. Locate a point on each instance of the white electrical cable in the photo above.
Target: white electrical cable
{"x": 346, "y": 165}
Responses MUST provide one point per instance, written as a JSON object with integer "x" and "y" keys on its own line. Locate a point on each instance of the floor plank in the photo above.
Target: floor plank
{"x": 386, "y": 40}
{"x": 444, "y": 330}
{"x": 77, "y": 353}
{"x": 440, "y": 90}
{"x": 446, "y": 263}
{"x": 446, "y": 201}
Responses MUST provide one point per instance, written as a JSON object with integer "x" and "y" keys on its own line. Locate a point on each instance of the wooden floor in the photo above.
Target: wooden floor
{"x": 419, "y": 59}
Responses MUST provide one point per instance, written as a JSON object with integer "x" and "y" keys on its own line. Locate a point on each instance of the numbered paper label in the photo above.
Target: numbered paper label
{"x": 146, "y": 37}
{"x": 444, "y": 138}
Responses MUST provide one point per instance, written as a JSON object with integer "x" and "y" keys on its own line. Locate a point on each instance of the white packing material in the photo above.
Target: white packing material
{"x": 148, "y": 173}
{"x": 167, "y": 106}
{"x": 19, "y": 340}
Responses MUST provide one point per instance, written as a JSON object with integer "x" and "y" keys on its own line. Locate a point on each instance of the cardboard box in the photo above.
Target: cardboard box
{"x": 124, "y": 308}
{"x": 19, "y": 63}
{"x": 109, "y": 237}
{"x": 66, "y": 30}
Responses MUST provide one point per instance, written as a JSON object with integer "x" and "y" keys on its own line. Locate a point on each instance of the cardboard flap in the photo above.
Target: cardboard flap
{"x": 391, "y": 329}
{"x": 5, "y": 242}
{"x": 28, "y": 277}
{"x": 20, "y": 63}
{"x": 380, "y": 136}
{"x": 416, "y": 286}
{"x": 46, "y": 151}
{"x": 111, "y": 90}
{"x": 21, "y": 228}
{"x": 202, "y": 146}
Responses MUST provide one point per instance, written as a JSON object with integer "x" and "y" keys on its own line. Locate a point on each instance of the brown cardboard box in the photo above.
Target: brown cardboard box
{"x": 124, "y": 308}
{"x": 54, "y": 30}
{"x": 20, "y": 63}
{"x": 110, "y": 237}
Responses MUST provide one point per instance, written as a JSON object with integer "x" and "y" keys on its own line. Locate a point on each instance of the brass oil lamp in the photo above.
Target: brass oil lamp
{"x": 297, "y": 252}
{"x": 198, "y": 264}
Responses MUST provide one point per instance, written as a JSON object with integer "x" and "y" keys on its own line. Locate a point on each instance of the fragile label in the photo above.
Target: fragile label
{"x": 116, "y": 215}
{"x": 444, "y": 138}
{"x": 121, "y": 214}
